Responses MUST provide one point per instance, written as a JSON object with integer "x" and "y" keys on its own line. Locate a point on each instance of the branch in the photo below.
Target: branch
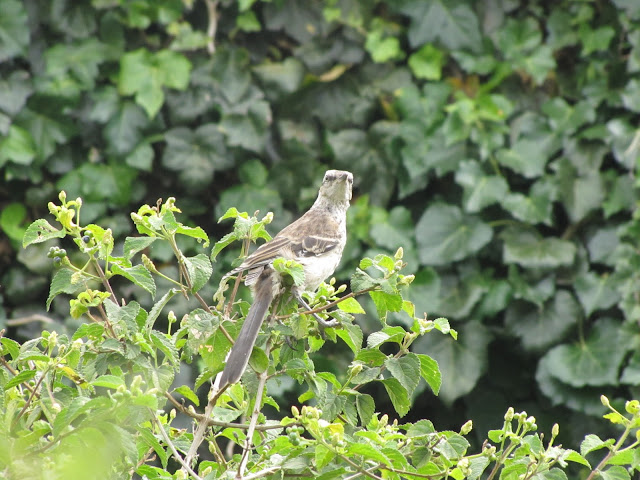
{"x": 328, "y": 305}
{"x": 212, "y": 10}
{"x": 262, "y": 381}
{"x": 174, "y": 452}
{"x": 36, "y": 317}
{"x": 216, "y": 423}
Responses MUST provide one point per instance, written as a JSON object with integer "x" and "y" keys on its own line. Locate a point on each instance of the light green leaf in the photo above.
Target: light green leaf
{"x": 368, "y": 452}
{"x": 133, "y": 245}
{"x": 615, "y": 472}
{"x": 144, "y": 74}
{"x": 65, "y": 282}
{"x": 137, "y": 274}
{"x": 398, "y": 395}
{"x": 187, "y": 393}
{"x": 352, "y": 335}
{"x": 200, "y": 270}
{"x": 366, "y": 407}
{"x": 386, "y": 302}
{"x": 593, "y": 442}
{"x": 406, "y": 370}
{"x": 21, "y": 377}
{"x": 108, "y": 381}
{"x": 427, "y": 62}
{"x": 430, "y": 371}
{"x": 158, "y": 307}
{"x": 350, "y": 305}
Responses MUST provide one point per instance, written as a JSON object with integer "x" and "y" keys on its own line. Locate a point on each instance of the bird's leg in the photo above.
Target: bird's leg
{"x": 321, "y": 321}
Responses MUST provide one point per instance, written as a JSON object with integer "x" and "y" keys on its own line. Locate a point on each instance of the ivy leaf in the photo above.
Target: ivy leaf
{"x": 444, "y": 235}
{"x": 462, "y": 362}
{"x": 14, "y": 30}
{"x": 531, "y": 250}
{"x": 195, "y": 154}
{"x": 594, "y": 362}
{"x": 406, "y": 370}
{"x": 427, "y": 62}
{"x": 454, "y": 25}
{"x": 144, "y": 74}
{"x": 532, "y": 208}
{"x": 539, "y": 328}
{"x": 596, "y": 292}
{"x": 123, "y": 131}
{"x": 480, "y": 190}
{"x": 18, "y": 146}
{"x": 15, "y": 88}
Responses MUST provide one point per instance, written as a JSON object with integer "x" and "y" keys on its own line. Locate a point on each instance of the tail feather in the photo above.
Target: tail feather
{"x": 241, "y": 351}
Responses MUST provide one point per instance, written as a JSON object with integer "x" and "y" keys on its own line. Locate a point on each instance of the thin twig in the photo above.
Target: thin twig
{"x": 262, "y": 381}
{"x": 175, "y": 453}
{"x": 328, "y": 305}
{"x": 216, "y": 423}
{"x": 36, "y": 317}
{"x": 105, "y": 282}
{"x": 212, "y": 10}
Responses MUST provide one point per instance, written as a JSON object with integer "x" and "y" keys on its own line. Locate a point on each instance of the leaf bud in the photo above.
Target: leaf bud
{"x": 466, "y": 428}
{"x": 509, "y": 415}
{"x": 632, "y": 406}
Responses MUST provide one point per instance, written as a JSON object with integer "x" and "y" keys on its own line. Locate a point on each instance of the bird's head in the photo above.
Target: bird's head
{"x": 336, "y": 186}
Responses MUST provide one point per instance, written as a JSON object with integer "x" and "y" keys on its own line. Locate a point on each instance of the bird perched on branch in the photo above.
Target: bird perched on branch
{"x": 316, "y": 241}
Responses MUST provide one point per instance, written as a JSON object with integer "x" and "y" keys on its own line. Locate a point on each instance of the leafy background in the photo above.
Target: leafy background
{"x": 496, "y": 142}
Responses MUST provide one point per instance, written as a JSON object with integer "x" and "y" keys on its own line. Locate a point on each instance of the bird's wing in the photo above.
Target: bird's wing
{"x": 313, "y": 246}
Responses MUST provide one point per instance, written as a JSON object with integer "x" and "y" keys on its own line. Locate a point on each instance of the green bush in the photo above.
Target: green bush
{"x": 495, "y": 142}
{"x": 91, "y": 405}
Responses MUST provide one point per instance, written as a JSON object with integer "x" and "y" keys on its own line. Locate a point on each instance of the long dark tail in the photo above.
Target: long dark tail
{"x": 241, "y": 351}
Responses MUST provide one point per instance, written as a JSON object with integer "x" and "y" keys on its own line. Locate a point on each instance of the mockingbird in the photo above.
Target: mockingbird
{"x": 315, "y": 241}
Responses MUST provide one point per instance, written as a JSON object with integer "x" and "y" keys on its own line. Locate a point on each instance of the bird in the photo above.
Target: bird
{"x": 316, "y": 241}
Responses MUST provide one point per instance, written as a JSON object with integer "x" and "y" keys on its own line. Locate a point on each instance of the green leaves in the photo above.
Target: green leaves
{"x": 454, "y": 25}
{"x": 529, "y": 249}
{"x": 144, "y": 74}
{"x": 14, "y": 32}
{"x": 444, "y": 235}
{"x": 593, "y": 361}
